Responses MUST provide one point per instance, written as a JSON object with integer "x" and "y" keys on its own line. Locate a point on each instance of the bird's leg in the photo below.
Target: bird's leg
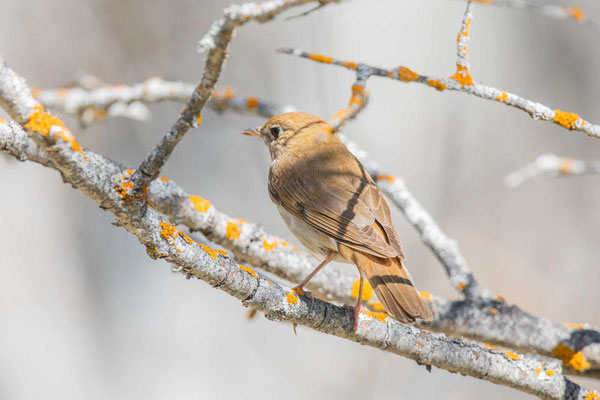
{"x": 358, "y": 305}
{"x": 300, "y": 288}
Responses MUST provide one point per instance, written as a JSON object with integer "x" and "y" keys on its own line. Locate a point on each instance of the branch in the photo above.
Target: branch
{"x": 490, "y": 321}
{"x": 102, "y": 181}
{"x": 216, "y": 45}
{"x": 551, "y": 166}
{"x": 549, "y": 10}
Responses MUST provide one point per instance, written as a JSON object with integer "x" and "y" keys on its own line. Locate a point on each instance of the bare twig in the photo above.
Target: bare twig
{"x": 551, "y": 166}
{"x": 101, "y": 180}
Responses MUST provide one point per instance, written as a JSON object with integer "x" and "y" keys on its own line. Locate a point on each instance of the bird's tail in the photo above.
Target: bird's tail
{"x": 393, "y": 285}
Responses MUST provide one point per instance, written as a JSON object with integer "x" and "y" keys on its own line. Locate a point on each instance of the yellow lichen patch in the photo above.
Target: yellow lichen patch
{"x": 489, "y": 346}
{"x": 367, "y": 292}
{"x": 425, "y": 295}
{"x": 2, "y": 120}
{"x": 35, "y": 92}
{"x": 537, "y": 371}
{"x": 484, "y": 1}
{"x": 462, "y": 76}
{"x": 436, "y": 84}
{"x": 222, "y": 252}
{"x": 379, "y": 315}
{"x": 320, "y": 58}
{"x": 284, "y": 243}
{"x": 591, "y": 396}
{"x": 233, "y": 231}
{"x": 249, "y": 270}
{"x": 493, "y": 311}
{"x": 462, "y": 286}
{"x": 251, "y": 102}
{"x": 566, "y": 165}
{"x": 376, "y": 306}
{"x": 129, "y": 171}
{"x": 167, "y": 231}
{"x": 240, "y": 221}
{"x": 298, "y": 290}
{"x": 565, "y": 119}
{"x": 501, "y": 299}
{"x": 162, "y": 178}
{"x": 211, "y": 252}
{"x": 573, "y": 325}
{"x": 550, "y": 372}
{"x": 42, "y": 122}
{"x": 198, "y": 120}
{"x": 292, "y": 298}
{"x": 351, "y": 65}
{"x": 185, "y": 237}
{"x": 512, "y": 355}
{"x": 570, "y": 357}
{"x": 407, "y": 75}
{"x": 268, "y": 246}
{"x": 388, "y": 178}
{"x": 200, "y": 204}
{"x": 502, "y": 97}
{"x": 577, "y": 14}
{"x": 328, "y": 129}
{"x": 62, "y": 92}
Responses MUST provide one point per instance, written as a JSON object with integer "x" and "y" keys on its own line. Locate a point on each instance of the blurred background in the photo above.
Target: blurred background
{"x": 86, "y": 314}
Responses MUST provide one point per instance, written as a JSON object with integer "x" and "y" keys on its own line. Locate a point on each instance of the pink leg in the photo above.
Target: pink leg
{"x": 326, "y": 261}
{"x": 358, "y": 305}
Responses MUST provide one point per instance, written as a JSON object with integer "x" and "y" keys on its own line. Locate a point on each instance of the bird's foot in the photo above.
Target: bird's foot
{"x": 303, "y": 292}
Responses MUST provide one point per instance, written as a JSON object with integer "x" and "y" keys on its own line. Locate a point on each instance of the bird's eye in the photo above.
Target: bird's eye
{"x": 275, "y": 131}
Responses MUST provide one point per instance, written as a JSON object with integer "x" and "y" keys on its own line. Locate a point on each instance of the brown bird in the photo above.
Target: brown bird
{"x": 331, "y": 204}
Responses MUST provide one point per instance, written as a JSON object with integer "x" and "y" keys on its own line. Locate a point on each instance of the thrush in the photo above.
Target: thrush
{"x": 332, "y": 205}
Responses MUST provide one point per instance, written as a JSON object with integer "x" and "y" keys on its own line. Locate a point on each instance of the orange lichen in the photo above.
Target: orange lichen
{"x": 388, "y": 178}
{"x": 407, "y": 75}
{"x": 550, "y": 372}
{"x": 211, "y": 252}
{"x": 565, "y": 119}
{"x": 200, "y": 204}
{"x": 167, "y": 231}
{"x": 376, "y": 306}
{"x": 379, "y": 315}
{"x": 240, "y": 220}
{"x": 425, "y": 295}
{"x": 298, "y": 290}
{"x": 269, "y": 246}
{"x": 367, "y": 292}
{"x": 162, "y": 178}
{"x": 489, "y": 346}
{"x": 327, "y": 129}
{"x": 292, "y": 298}
{"x": 283, "y": 243}
{"x": 351, "y": 65}
{"x": 462, "y": 286}
{"x": 199, "y": 120}
{"x": 501, "y": 299}
{"x": 2, "y": 120}
{"x": 591, "y": 396}
{"x": 185, "y": 237}
{"x": 493, "y": 311}
{"x": 502, "y": 97}
{"x": 570, "y": 357}
{"x": 436, "y": 84}
{"x": 566, "y": 165}
{"x": 484, "y": 1}
{"x": 537, "y": 371}
{"x": 512, "y": 355}
{"x": 42, "y": 122}
{"x": 462, "y": 76}
{"x": 251, "y": 102}
{"x": 35, "y": 92}
{"x": 297, "y": 250}
{"x": 233, "y": 231}
{"x": 573, "y": 325}
{"x": 249, "y": 270}
{"x": 320, "y": 58}
{"x": 577, "y": 14}
{"x": 222, "y": 252}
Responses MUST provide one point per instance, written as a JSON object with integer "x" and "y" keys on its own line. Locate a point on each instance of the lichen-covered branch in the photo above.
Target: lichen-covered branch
{"x": 461, "y": 83}
{"x": 216, "y": 46}
{"x": 549, "y": 10}
{"x": 490, "y": 321}
{"x": 551, "y": 166}
{"x": 105, "y": 182}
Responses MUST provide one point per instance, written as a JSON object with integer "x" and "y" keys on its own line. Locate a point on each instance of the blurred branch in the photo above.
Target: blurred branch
{"x": 549, "y": 10}
{"x": 551, "y": 166}
{"x": 488, "y": 320}
{"x": 103, "y": 181}
{"x": 216, "y": 46}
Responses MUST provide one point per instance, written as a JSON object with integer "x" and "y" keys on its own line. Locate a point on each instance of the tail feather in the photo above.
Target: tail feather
{"x": 393, "y": 285}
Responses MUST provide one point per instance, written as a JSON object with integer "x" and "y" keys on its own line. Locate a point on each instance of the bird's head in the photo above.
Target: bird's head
{"x": 290, "y": 129}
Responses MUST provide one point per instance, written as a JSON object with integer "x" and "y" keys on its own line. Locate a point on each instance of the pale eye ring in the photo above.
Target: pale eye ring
{"x": 275, "y": 131}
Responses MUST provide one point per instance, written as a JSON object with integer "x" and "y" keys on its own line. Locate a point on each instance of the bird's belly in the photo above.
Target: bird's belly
{"x": 317, "y": 243}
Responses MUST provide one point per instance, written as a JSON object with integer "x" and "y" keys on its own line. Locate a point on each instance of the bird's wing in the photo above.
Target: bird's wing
{"x": 350, "y": 209}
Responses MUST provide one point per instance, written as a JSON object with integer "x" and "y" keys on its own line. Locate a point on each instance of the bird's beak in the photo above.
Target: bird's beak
{"x": 253, "y": 132}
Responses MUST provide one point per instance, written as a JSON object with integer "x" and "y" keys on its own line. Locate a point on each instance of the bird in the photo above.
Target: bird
{"x": 334, "y": 208}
